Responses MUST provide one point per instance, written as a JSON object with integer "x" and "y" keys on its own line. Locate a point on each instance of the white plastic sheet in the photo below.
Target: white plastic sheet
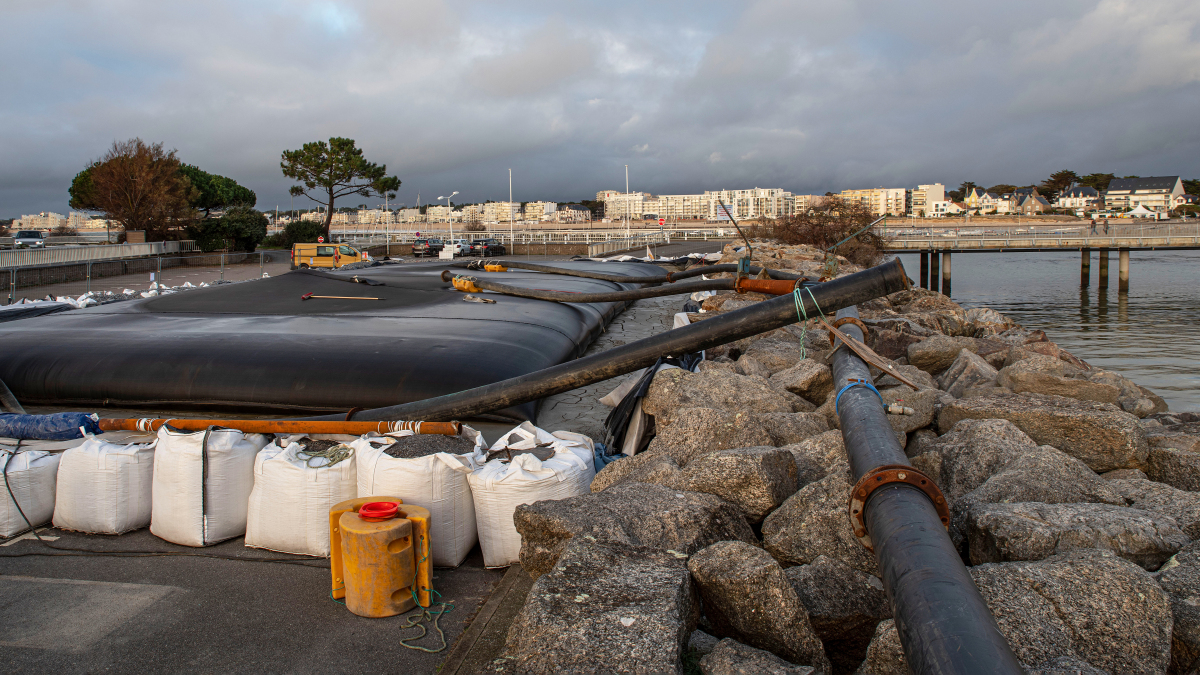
{"x": 31, "y": 477}
{"x": 436, "y": 482}
{"x": 202, "y": 484}
{"x": 500, "y": 486}
{"x": 105, "y": 488}
{"x": 289, "y": 506}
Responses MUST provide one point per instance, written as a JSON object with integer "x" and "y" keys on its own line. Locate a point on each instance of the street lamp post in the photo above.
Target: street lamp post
{"x": 450, "y": 214}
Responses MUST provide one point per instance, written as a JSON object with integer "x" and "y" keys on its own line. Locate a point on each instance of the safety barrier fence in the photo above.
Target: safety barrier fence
{"x": 36, "y": 282}
{"x": 55, "y": 255}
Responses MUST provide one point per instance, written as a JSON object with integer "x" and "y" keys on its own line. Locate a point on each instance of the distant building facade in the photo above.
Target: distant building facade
{"x": 921, "y": 199}
{"x": 879, "y": 201}
{"x": 1156, "y": 193}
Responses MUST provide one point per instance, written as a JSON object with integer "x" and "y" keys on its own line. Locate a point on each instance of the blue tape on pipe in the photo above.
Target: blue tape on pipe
{"x": 854, "y": 383}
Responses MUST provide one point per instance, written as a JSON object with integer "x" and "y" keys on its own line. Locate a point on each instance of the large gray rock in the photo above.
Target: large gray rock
{"x": 937, "y": 353}
{"x": 644, "y": 467}
{"x": 924, "y": 402}
{"x": 676, "y": 389}
{"x": 775, "y": 354}
{"x": 1101, "y": 435}
{"x": 844, "y": 606}
{"x": 922, "y": 379}
{"x": 819, "y": 455}
{"x": 639, "y": 514}
{"x": 885, "y": 654}
{"x": 1177, "y": 468}
{"x": 973, "y": 451}
{"x": 1087, "y": 604}
{"x": 1169, "y": 437}
{"x": 1180, "y": 505}
{"x": 814, "y": 522}
{"x": 748, "y": 365}
{"x": 808, "y": 379}
{"x": 1035, "y": 531}
{"x": 1180, "y": 578}
{"x": 1132, "y": 397}
{"x": 968, "y": 371}
{"x": 695, "y": 431}
{"x": 757, "y": 480}
{"x": 731, "y": 657}
{"x": 1046, "y": 375}
{"x": 1125, "y": 474}
{"x": 789, "y": 428}
{"x": 1065, "y": 665}
{"x": 892, "y": 344}
{"x": 747, "y": 597}
{"x": 605, "y": 607}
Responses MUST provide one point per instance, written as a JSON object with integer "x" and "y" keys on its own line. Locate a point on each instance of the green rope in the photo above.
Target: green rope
{"x": 334, "y": 454}
{"x": 422, "y": 616}
{"x": 802, "y": 317}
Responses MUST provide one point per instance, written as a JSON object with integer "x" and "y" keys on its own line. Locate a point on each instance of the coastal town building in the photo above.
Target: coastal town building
{"x": 1078, "y": 198}
{"x": 879, "y": 201}
{"x": 1157, "y": 193}
{"x": 921, "y": 199}
{"x": 501, "y": 212}
{"x": 537, "y": 211}
{"x": 573, "y": 213}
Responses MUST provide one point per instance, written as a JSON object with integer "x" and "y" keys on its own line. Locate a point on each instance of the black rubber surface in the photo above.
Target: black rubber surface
{"x": 257, "y": 347}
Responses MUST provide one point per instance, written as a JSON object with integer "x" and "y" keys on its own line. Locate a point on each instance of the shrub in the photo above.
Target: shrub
{"x": 475, "y": 227}
{"x": 240, "y": 229}
{"x": 834, "y": 223}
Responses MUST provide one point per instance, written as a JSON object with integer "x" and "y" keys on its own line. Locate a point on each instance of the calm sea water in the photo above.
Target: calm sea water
{"x": 1151, "y": 334}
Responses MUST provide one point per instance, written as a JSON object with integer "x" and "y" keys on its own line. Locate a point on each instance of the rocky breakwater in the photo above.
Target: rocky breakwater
{"x": 725, "y": 546}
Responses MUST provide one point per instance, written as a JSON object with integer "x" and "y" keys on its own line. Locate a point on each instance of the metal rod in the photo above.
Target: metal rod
{"x": 943, "y": 622}
{"x": 282, "y": 426}
{"x": 763, "y": 316}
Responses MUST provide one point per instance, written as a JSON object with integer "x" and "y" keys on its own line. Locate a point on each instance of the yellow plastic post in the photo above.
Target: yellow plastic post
{"x": 336, "y": 570}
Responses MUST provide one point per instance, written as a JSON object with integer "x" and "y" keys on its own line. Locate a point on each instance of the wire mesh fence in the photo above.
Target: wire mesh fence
{"x": 75, "y": 279}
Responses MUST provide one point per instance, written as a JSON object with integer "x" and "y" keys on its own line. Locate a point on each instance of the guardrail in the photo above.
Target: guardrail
{"x": 28, "y": 257}
{"x": 1040, "y": 242}
{"x": 537, "y": 236}
{"x": 614, "y": 245}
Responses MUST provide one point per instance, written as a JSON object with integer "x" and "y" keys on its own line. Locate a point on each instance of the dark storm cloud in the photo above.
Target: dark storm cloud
{"x": 808, "y": 96}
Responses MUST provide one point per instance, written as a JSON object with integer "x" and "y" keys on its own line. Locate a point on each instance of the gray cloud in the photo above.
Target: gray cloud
{"x": 805, "y": 95}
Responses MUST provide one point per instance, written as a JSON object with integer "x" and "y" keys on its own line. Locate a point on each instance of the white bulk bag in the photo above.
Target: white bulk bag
{"x": 202, "y": 483}
{"x": 500, "y": 486}
{"x": 104, "y": 488}
{"x": 435, "y": 482}
{"x": 31, "y": 478}
{"x": 289, "y": 506}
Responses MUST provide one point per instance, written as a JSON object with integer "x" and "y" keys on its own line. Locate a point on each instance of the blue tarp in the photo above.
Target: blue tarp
{"x": 55, "y": 427}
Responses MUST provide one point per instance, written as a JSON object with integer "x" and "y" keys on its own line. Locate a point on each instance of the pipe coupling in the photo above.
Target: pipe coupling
{"x": 885, "y": 475}
{"x": 842, "y": 322}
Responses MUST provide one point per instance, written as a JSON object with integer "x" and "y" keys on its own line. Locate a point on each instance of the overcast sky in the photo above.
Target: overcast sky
{"x": 805, "y": 95}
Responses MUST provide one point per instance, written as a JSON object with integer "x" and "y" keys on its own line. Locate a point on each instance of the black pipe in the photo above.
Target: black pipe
{"x": 611, "y": 296}
{"x": 944, "y": 624}
{"x": 8, "y": 401}
{"x": 667, "y": 278}
{"x": 763, "y": 316}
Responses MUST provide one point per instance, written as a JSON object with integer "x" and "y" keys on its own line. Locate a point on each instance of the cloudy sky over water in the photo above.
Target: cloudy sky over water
{"x": 805, "y": 95}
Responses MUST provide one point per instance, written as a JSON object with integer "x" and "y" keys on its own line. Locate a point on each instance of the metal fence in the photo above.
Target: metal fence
{"x": 76, "y": 279}
{"x": 538, "y": 236}
{"x": 57, "y": 255}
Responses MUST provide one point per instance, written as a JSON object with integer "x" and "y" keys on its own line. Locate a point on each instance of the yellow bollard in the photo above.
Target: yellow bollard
{"x": 379, "y": 564}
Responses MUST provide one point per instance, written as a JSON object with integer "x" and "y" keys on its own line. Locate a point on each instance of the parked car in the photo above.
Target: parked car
{"x": 487, "y": 248}
{"x": 427, "y": 247}
{"x": 29, "y": 239}
{"x": 459, "y": 247}
{"x": 325, "y": 255}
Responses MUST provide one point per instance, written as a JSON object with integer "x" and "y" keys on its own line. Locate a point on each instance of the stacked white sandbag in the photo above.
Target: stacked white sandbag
{"x": 31, "y": 475}
{"x": 289, "y": 506}
{"x": 500, "y": 486}
{"x": 202, "y": 484}
{"x": 105, "y": 488}
{"x": 435, "y": 482}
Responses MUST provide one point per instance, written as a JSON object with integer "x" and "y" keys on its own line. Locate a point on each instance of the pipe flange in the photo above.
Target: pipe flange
{"x": 881, "y": 476}
{"x": 842, "y": 322}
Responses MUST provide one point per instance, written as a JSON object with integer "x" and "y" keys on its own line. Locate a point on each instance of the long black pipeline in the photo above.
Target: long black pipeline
{"x": 666, "y": 278}
{"x": 761, "y": 317}
{"x": 944, "y": 624}
{"x": 627, "y": 295}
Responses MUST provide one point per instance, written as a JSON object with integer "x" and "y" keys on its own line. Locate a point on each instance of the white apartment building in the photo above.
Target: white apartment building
{"x": 501, "y": 212}
{"x": 752, "y": 203}
{"x": 42, "y": 221}
{"x": 573, "y": 213}
{"x": 313, "y": 216}
{"x": 470, "y": 213}
{"x": 681, "y": 207}
{"x": 78, "y": 221}
{"x": 603, "y": 195}
{"x": 921, "y": 199}
{"x": 437, "y": 214}
{"x": 619, "y": 205}
{"x": 537, "y": 211}
{"x": 1157, "y": 193}
{"x": 880, "y": 201}
{"x": 1078, "y": 198}
{"x": 941, "y": 208}
{"x": 803, "y": 203}
{"x": 410, "y": 216}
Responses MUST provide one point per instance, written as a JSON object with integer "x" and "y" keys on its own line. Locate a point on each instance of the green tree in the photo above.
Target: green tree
{"x": 216, "y": 192}
{"x": 240, "y": 229}
{"x": 1098, "y": 181}
{"x": 1057, "y": 183}
{"x": 1192, "y": 187}
{"x": 1002, "y": 189}
{"x": 329, "y": 171}
{"x": 139, "y": 185}
{"x": 966, "y": 188}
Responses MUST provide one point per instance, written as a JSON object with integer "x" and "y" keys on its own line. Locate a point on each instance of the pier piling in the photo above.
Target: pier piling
{"x": 1123, "y": 271}
{"x": 946, "y": 272}
{"x": 923, "y": 282}
{"x": 933, "y": 271}
{"x": 1103, "y": 269}
{"x": 1085, "y": 267}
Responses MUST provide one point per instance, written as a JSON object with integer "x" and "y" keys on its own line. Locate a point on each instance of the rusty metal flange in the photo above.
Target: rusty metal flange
{"x": 842, "y": 322}
{"x": 881, "y": 476}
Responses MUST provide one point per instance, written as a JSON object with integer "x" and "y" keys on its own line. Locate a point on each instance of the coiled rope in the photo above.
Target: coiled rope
{"x": 802, "y": 317}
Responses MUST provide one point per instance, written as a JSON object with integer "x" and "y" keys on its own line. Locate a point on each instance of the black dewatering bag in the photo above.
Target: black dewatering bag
{"x": 257, "y": 347}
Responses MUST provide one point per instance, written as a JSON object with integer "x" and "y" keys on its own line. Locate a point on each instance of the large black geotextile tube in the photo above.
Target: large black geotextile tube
{"x": 612, "y": 296}
{"x": 763, "y": 316}
{"x": 667, "y": 278}
{"x": 944, "y": 624}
